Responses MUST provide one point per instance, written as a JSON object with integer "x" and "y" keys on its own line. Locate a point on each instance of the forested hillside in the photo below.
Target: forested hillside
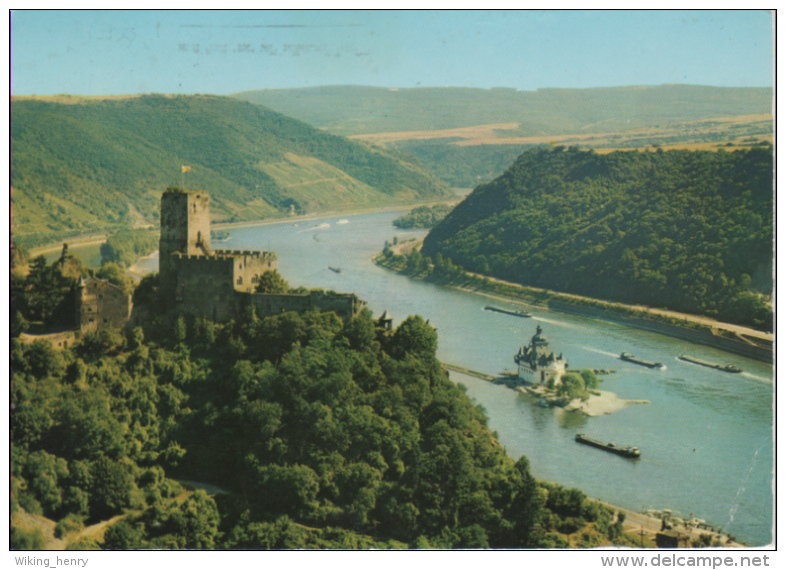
{"x": 690, "y": 231}
{"x": 323, "y": 433}
{"x": 80, "y": 165}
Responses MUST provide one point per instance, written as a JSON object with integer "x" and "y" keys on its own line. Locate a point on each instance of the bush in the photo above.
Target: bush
{"x": 572, "y": 386}
{"x": 70, "y": 524}
{"x": 566, "y": 502}
{"x": 590, "y": 380}
{"x": 122, "y": 536}
{"x": 32, "y": 539}
{"x": 570, "y": 525}
{"x": 551, "y": 540}
{"x": 84, "y": 543}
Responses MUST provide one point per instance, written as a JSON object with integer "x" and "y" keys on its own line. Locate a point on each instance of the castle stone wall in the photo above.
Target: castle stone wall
{"x": 204, "y": 286}
{"x": 248, "y": 267}
{"x": 58, "y": 340}
{"x": 102, "y": 304}
{"x": 345, "y": 305}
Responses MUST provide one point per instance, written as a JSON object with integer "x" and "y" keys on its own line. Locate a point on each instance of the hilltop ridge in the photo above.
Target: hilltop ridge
{"x": 356, "y": 110}
{"x": 97, "y": 164}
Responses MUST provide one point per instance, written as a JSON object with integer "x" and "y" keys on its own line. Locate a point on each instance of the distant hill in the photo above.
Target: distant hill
{"x": 80, "y": 165}
{"x": 470, "y": 136}
{"x": 353, "y": 110}
{"x": 684, "y": 230}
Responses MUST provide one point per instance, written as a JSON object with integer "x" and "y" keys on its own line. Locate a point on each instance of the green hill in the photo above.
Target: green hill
{"x": 689, "y": 231}
{"x": 469, "y": 136}
{"x": 80, "y": 165}
{"x": 353, "y": 110}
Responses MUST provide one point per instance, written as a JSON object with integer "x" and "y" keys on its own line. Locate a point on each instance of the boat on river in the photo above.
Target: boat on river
{"x": 627, "y": 451}
{"x": 522, "y": 314}
{"x": 628, "y": 357}
{"x": 335, "y": 269}
{"x": 723, "y": 367}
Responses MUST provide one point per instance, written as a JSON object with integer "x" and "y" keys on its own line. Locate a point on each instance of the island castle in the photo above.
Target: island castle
{"x": 537, "y": 363}
{"x": 219, "y": 284}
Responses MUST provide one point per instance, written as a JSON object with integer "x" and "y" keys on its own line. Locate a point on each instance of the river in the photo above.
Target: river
{"x": 706, "y": 437}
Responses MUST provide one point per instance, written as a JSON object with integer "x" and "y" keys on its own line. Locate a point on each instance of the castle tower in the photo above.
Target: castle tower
{"x": 185, "y": 228}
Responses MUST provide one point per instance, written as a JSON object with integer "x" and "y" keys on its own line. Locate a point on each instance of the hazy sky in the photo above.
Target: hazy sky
{"x": 118, "y": 52}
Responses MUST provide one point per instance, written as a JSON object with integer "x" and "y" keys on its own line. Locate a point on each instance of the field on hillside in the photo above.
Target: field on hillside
{"x": 470, "y": 136}
{"x": 352, "y": 110}
{"x": 741, "y": 131}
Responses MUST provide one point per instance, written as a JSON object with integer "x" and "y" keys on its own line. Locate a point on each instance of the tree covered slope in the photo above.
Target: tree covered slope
{"x": 80, "y": 165}
{"x": 690, "y": 231}
{"x": 323, "y": 433}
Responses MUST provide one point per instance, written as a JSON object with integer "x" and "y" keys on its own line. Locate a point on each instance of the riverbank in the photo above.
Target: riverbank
{"x": 82, "y": 241}
{"x": 728, "y": 337}
{"x": 136, "y": 271}
{"x": 322, "y": 215}
{"x": 648, "y": 525}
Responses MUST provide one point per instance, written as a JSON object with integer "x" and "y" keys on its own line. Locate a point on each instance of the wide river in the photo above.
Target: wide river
{"x": 706, "y": 436}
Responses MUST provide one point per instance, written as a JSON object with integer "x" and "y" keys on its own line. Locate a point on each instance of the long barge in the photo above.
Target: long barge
{"x": 628, "y": 357}
{"x": 723, "y": 367}
{"x": 522, "y": 314}
{"x": 627, "y": 451}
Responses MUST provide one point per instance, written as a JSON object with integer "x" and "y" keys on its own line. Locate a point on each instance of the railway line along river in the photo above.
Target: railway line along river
{"x": 706, "y": 437}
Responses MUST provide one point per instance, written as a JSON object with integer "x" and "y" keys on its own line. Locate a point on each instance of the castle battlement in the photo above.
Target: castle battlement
{"x": 262, "y": 255}
{"x": 228, "y": 255}
{"x": 200, "y": 257}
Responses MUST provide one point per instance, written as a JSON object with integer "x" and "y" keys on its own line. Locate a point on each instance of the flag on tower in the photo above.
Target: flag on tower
{"x": 185, "y": 168}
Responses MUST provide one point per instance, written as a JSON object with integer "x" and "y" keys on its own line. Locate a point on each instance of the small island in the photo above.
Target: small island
{"x": 545, "y": 376}
{"x": 219, "y": 235}
{"x": 423, "y": 217}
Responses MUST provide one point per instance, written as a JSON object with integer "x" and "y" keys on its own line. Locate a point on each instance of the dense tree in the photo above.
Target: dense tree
{"x": 690, "y": 231}
{"x": 423, "y": 217}
{"x": 571, "y": 385}
{"x": 45, "y": 294}
{"x": 23, "y": 539}
{"x": 123, "y": 536}
{"x": 415, "y": 336}
{"x": 272, "y": 282}
{"x": 323, "y": 434}
{"x": 590, "y": 379}
{"x": 113, "y": 273}
{"x": 125, "y": 247}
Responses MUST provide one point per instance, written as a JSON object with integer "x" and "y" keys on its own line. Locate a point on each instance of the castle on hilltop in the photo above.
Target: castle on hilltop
{"x": 219, "y": 284}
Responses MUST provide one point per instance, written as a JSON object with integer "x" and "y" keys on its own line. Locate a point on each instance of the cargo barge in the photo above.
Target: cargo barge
{"x": 632, "y": 452}
{"x": 723, "y": 367}
{"x": 628, "y": 357}
{"x": 522, "y": 314}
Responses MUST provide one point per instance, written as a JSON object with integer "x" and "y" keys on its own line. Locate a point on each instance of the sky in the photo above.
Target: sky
{"x": 222, "y": 52}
